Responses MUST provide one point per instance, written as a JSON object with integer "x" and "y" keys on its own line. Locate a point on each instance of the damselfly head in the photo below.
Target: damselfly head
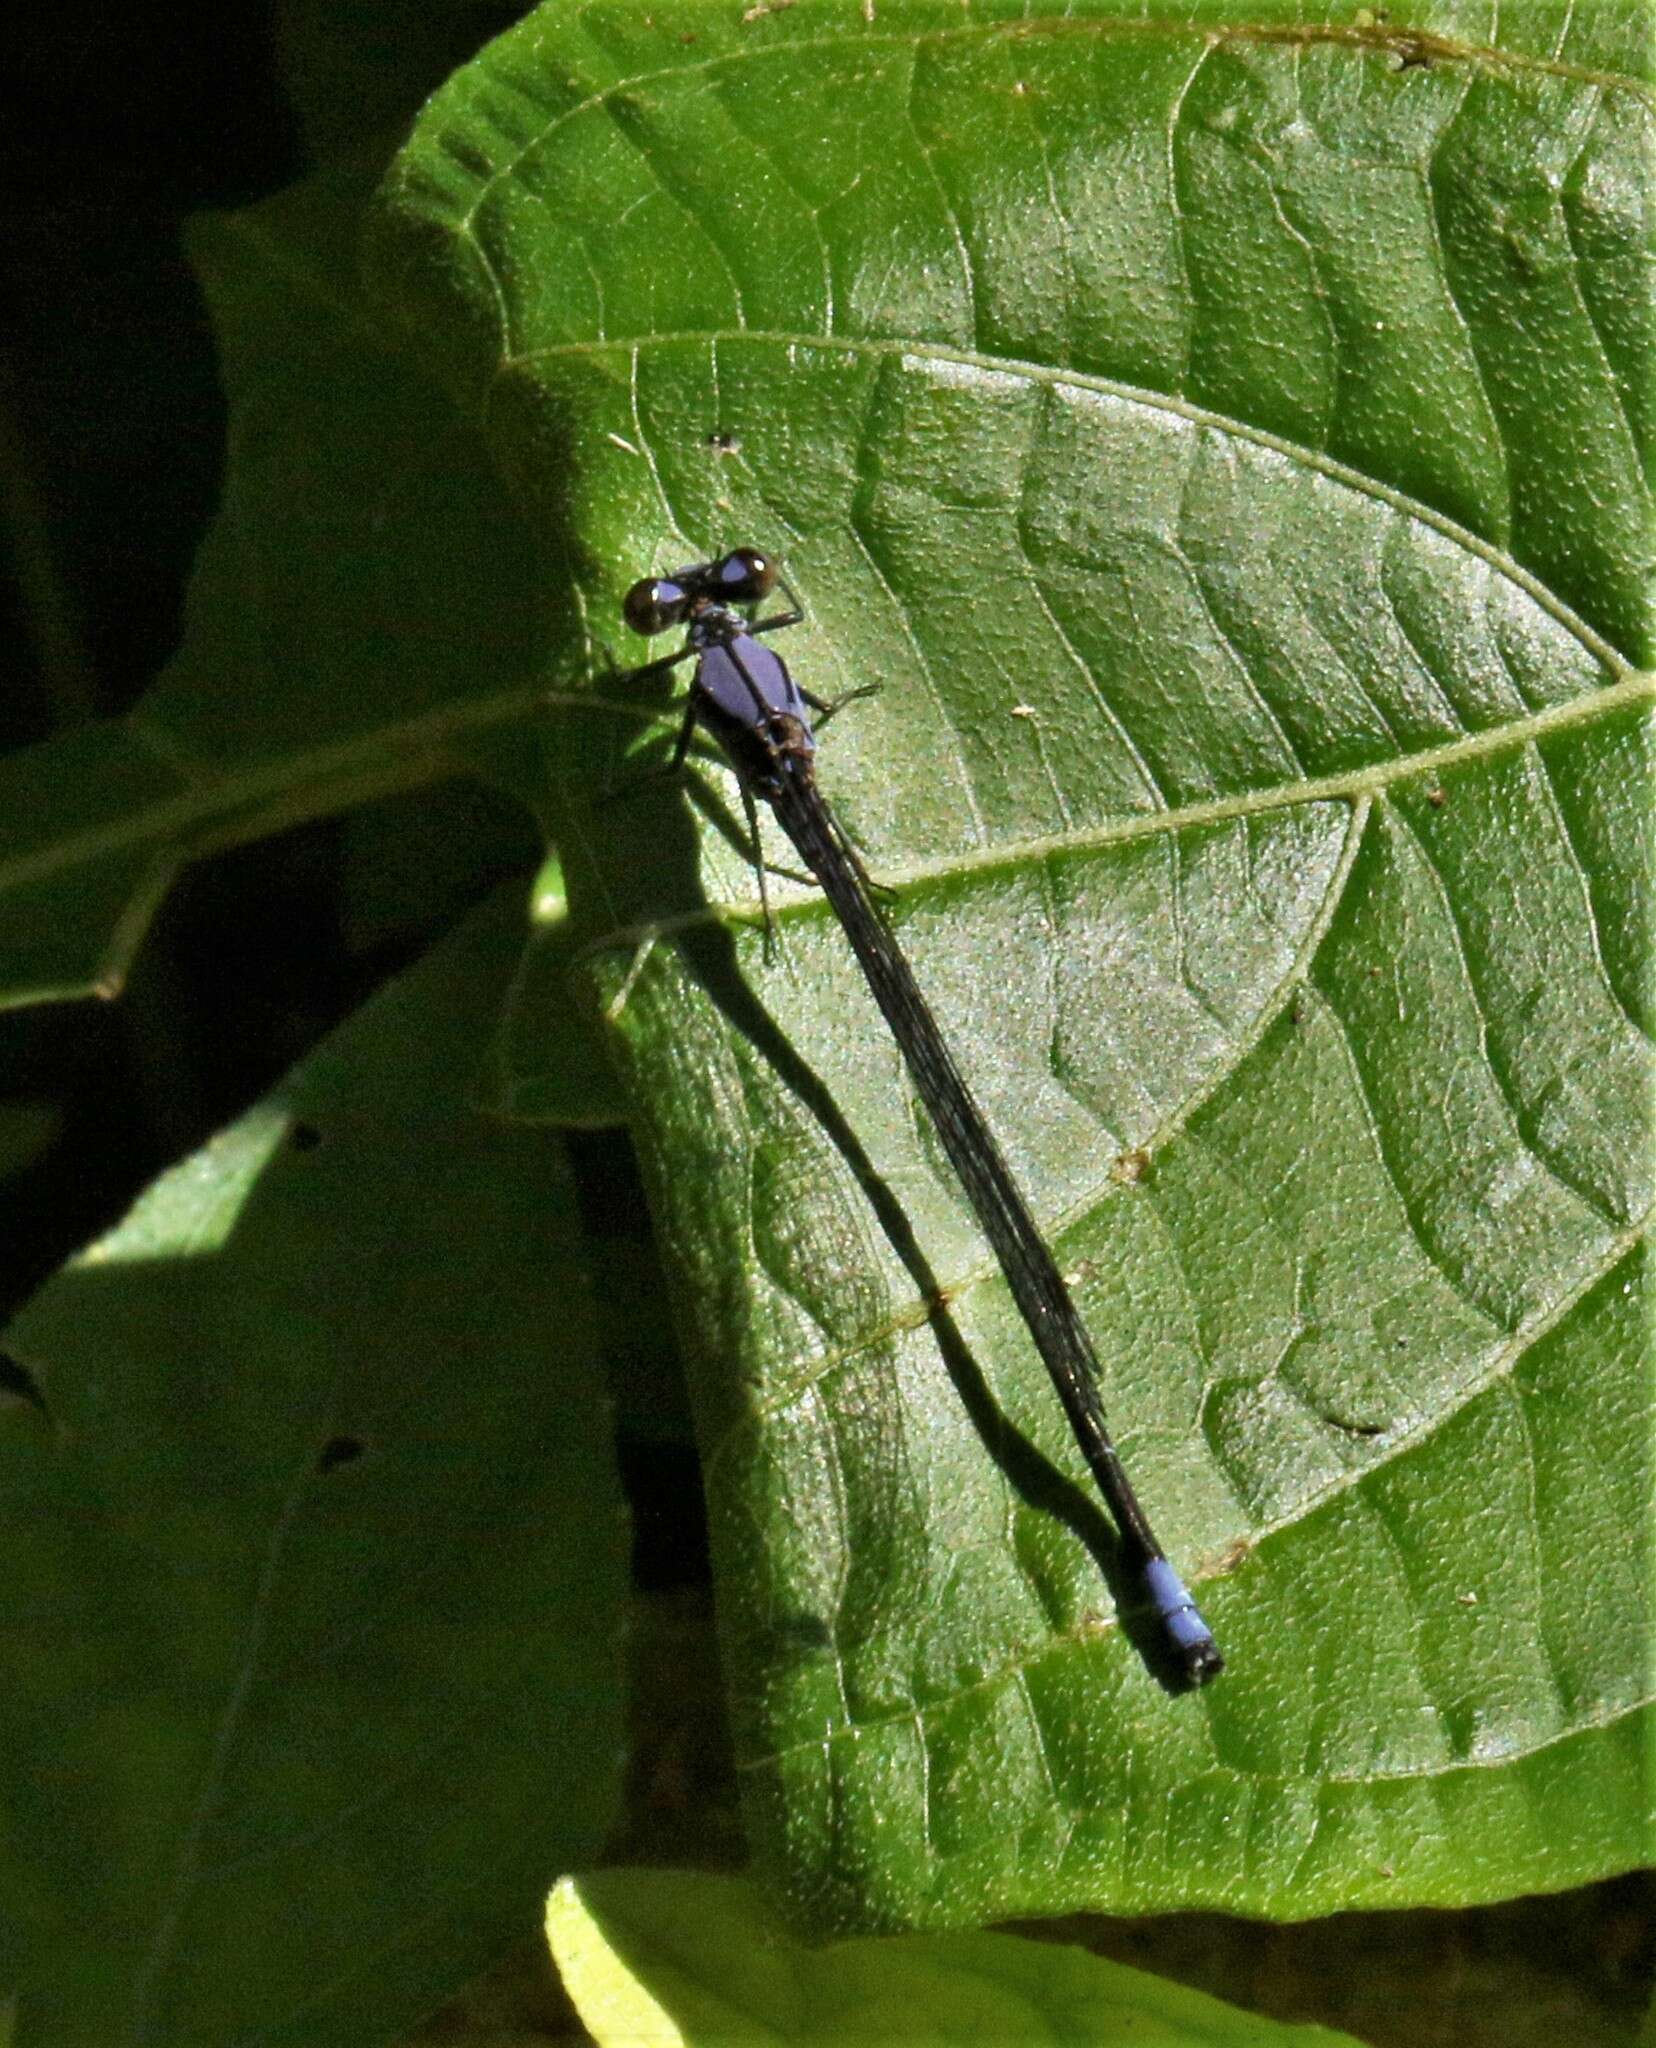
{"x": 744, "y": 576}
{"x": 655, "y": 605}
{"x": 659, "y": 603}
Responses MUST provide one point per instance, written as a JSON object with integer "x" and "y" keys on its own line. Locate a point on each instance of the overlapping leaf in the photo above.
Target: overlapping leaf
{"x": 665, "y": 1957}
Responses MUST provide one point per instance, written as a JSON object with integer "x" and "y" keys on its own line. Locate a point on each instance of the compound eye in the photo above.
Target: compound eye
{"x": 653, "y": 606}
{"x": 745, "y": 576}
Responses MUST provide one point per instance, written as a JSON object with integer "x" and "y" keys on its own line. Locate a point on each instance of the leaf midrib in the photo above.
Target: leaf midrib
{"x": 341, "y": 774}
{"x": 1351, "y": 785}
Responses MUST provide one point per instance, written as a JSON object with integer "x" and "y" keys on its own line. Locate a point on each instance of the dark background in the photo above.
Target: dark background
{"x": 115, "y": 126}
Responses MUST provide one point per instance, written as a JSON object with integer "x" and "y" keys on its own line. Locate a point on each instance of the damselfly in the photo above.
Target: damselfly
{"x": 744, "y": 696}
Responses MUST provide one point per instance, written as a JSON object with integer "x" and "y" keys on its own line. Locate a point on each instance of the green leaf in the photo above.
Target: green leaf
{"x": 659, "y": 1956}
{"x": 1223, "y": 444}
{"x": 346, "y": 639}
{"x": 314, "y": 1559}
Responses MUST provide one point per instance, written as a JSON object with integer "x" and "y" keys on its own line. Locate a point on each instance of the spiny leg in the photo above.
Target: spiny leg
{"x": 805, "y": 881}
{"x": 686, "y": 733}
{"x": 675, "y": 767}
{"x": 843, "y": 840}
{"x": 827, "y": 708}
{"x": 752, "y": 810}
{"x": 658, "y": 668}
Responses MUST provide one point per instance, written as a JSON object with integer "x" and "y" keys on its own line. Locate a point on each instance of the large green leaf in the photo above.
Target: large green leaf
{"x": 314, "y": 1556}
{"x": 1222, "y": 444}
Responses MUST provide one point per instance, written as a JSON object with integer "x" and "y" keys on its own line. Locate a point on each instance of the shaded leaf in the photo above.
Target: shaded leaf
{"x": 315, "y": 1555}
{"x": 346, "y": 638}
